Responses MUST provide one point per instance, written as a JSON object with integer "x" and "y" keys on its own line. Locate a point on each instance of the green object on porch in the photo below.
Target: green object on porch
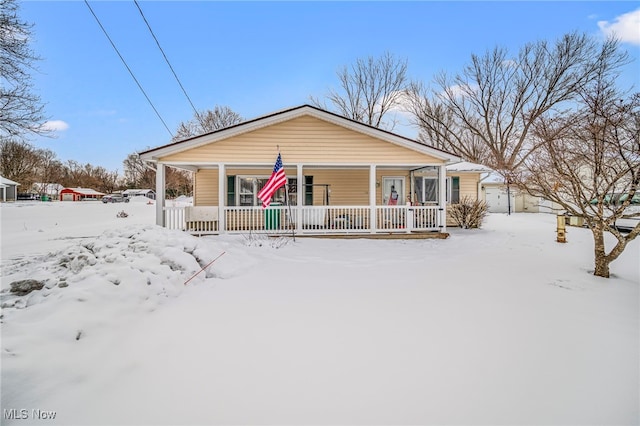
{"x": 272, "y": 217}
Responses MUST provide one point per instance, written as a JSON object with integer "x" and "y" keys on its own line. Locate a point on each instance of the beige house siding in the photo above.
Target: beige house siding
{"x": 469, "y": 185}
{"x": 302, "y": 140}
{"x": 349, "y": 187}
{"x": 205, "y": 188}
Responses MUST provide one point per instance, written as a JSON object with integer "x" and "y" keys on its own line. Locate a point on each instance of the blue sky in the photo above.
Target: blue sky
{"x": 260, "y": 57}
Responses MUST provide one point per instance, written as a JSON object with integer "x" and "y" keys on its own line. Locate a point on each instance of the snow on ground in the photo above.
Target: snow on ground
{"x": 500, "y": 325}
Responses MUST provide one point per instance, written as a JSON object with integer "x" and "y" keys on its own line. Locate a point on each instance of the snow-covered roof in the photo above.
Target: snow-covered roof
{"x": 7, "y": 182}
{"x": 137, "y": 191}
{"x": 86, "y": 191}
{"x": 48, "y": 186}
{"x": 467, "y": 166}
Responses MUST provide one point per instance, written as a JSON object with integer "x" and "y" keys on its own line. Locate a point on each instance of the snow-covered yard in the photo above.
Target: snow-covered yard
{"x": 500, "y": 325}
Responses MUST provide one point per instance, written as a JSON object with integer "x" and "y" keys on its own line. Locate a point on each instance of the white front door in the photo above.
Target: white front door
{"x": 392, "y": 191}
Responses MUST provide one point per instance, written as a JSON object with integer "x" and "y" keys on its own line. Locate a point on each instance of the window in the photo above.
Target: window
{"x": 243, "y": 190}
{"x": 426, "y": 188}
{"x": 453, "y": 190}
{"x": 426, "y": 185}
{"x": 430, "y": 190}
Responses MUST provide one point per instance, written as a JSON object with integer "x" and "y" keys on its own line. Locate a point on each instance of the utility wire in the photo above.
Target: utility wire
{"x": 166, "y": 59}
{"x": 129, "y": 69}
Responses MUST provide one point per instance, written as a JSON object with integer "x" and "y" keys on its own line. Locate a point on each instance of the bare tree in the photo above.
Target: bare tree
{"x": 370, "y": 89}
{"x": 20, "y": 109}
{"x": 138, "y": 174}
{"x": 588, "y": 161}
{"x": 19, "y": 161}
{"x": 207, "y": 121}
{"x": 179, "y": 182}
{"x": 486, "y": 113}
{"x": 49, "y": 170}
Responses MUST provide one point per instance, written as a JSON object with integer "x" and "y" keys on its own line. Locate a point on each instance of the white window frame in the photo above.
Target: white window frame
{"x": 424, "y": 200}
{"x": 401, "y": 194}
{"x": 256, "y": 188}
{"x": 239, "y": 193}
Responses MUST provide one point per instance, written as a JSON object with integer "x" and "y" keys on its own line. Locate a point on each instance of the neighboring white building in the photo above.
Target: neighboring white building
{"x": 8, "y": 189}
{"x": 149, "y": 193}
{"x": 50, "y": 189}
{"x": 494, "y": 190}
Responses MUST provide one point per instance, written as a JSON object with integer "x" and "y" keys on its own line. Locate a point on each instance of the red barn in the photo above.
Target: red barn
{"x": 80, "y": 194}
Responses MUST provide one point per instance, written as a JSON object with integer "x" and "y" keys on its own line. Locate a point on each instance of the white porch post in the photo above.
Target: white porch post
{"x": 443, "y": 197}
{"x": 372, "y": 198}
{"x": 300, "y": 196}
{"x": 222, "y": 198}
{"x": 160, "y": 193}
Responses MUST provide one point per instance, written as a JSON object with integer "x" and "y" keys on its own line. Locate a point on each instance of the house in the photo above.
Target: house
{"x": 80, "y": 194}
{"x": 8, "y": 189}
{"x": 341, "y": 174}
{"x": 50, "y": 189}
{"x": 149, "y": 193}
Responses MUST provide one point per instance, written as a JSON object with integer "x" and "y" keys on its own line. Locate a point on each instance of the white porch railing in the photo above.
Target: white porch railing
{"x": 174, "y": 218}
{"x": 313, "y": 219}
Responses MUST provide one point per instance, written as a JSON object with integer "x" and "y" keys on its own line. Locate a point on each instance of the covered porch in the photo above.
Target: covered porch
{"x": 343, "y": 178}
{"x": 332, "y": 201}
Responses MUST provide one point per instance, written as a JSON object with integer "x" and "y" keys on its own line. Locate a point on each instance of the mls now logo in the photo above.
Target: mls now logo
{"x": 23, "y": 414}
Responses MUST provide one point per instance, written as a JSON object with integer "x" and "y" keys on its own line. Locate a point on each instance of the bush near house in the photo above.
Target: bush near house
{"x": 468, "y": 213}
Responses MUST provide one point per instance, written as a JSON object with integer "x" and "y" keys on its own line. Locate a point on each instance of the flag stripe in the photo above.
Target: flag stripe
{"x": 277, "y": 180}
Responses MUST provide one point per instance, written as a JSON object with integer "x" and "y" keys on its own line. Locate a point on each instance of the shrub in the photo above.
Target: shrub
{"x": 468, "y": 213}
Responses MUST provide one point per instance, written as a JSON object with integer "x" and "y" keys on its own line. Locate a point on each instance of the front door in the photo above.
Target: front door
{"x": 392, "y": 191}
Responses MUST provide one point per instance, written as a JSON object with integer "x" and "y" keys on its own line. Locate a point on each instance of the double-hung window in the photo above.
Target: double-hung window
{"x": 453, "y": 190}
{"x": 426, "y": 188}
{"x": 246, "y": 190}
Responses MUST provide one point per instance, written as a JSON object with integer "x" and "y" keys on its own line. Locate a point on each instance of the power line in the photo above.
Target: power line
{"x": 127, "y": 66}
{"x": 166, "y": 59}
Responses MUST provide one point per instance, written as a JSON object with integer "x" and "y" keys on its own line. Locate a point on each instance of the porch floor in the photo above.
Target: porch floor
{"x": 429, "y": 235}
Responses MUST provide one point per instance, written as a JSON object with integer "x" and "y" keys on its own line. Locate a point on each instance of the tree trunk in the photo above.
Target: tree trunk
{"x": 601, "y": 259}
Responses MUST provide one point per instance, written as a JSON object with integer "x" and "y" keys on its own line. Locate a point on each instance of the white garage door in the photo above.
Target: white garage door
{"x": 67, "y": 197}
{"x": 496, "y": 199}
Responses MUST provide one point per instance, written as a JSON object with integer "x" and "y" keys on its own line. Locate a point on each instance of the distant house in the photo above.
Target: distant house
{"x": 149, "y": 193}
{"x": 80, "y": 194}
{"x": 9, "y": 189}
{"x": 50, "y": 189}
{"x": 494, "y": 190}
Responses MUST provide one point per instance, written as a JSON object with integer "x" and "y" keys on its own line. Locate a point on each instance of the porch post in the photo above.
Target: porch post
{"x": 443, "y": 197}
{"x": 372, "y": 198}
{"x": 160, "y": 193}
{"x": 222, "y": 198}
{"x": 300, "y": 191}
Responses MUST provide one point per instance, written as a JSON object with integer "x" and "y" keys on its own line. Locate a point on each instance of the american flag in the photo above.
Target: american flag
{"x": 277, "y": 180}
